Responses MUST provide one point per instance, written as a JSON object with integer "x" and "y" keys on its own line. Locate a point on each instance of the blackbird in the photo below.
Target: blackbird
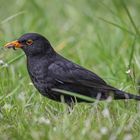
{"x": 50, "y": 71}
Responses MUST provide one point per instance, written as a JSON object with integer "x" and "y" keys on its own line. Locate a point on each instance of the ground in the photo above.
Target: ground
{"x": 102, "y": 36}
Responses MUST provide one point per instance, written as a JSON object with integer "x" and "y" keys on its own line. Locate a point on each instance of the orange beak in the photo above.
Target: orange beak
{"x": 13, "y": 44}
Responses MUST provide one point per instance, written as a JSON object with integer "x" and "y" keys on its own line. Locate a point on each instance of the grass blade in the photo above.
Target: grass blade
{"x": 130, "y": 18}
{"x": 13, "y": 16}
{"x": 86, "y": 98}
{"x": 118, "y": 26}
{"x": 13, "y": 60}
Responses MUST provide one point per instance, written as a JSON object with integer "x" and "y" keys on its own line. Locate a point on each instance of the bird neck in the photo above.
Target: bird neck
{"x": 41, "y": 59}
{"x": 47, "y": 54}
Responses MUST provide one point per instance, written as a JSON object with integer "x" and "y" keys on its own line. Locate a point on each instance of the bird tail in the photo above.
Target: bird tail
{"x": 124, "y": 95}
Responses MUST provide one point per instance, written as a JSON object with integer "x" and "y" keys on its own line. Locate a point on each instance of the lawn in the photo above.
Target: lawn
{"x": 102, "y": 36}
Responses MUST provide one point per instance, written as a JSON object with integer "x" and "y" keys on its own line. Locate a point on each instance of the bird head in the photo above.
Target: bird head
{"x": 32, "y": 44}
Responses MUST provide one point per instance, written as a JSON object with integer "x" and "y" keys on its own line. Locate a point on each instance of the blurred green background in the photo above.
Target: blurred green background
{"x": 101, "y": 35}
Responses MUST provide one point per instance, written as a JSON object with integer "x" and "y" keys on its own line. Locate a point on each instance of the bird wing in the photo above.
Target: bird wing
{"x": 68, "y": 72}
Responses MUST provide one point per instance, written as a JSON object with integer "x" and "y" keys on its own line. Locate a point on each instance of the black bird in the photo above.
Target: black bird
{"x": 50, "y": 71}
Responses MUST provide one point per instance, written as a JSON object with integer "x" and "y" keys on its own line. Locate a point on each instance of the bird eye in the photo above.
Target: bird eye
{"x": 29, "y": 42}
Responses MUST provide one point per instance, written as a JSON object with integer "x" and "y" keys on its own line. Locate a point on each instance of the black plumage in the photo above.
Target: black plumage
{"x": 48, "y": 70}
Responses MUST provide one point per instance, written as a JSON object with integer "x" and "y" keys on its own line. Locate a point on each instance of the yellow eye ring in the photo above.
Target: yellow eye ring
{"x": 29, "y": 42}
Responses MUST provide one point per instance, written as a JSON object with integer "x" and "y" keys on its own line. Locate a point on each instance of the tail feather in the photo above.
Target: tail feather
{"x": 123, "y": 95}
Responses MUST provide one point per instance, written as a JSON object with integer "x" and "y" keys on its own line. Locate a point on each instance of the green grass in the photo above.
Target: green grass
{"x": 102, "y": 36}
